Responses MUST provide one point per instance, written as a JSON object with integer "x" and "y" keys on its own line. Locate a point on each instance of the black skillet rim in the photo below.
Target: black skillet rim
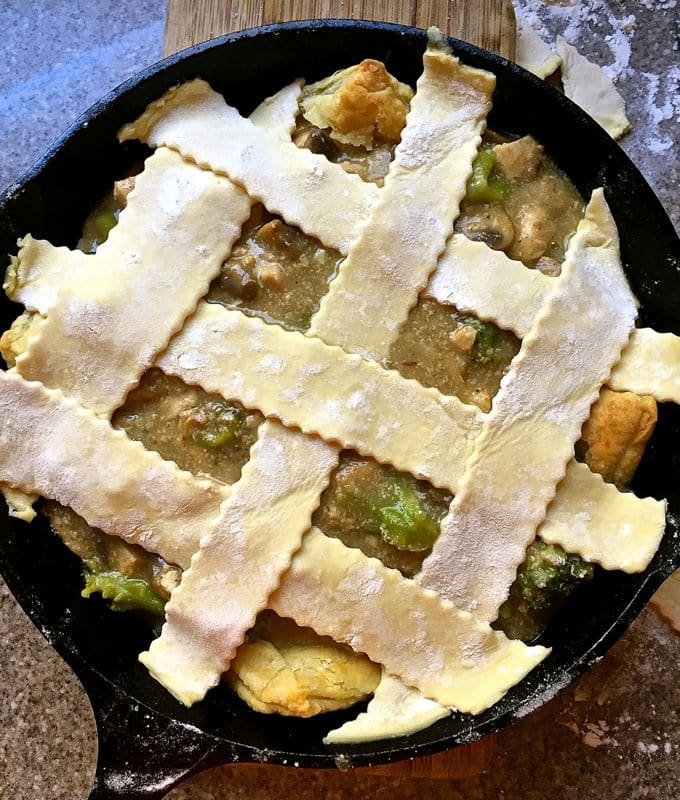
{"x": 534, "y": 690}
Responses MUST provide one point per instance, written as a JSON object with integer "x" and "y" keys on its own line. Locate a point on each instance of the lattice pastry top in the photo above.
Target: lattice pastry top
{"x": 101, "y": 320}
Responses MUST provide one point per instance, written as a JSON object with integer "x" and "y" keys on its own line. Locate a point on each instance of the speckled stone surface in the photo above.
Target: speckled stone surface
{"x": 616, "y": 732}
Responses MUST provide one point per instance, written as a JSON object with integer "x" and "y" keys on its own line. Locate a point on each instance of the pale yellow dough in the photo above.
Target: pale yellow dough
{"x": 457, "y": 97}
{"x": 532, "y": 52}
{"x": 230, "y": 580}
{"x": 528, "y": 436}
{"x": 324, "y": 390}
{"x": 650, "y": 365}
{"x": 53, "y": 447}
{"x": 429, "y": 643}
{"x": 139, "y": 286}
{"x": 305, "y": 189}
{"x": 492, "y": 286}
{"x": 394, "y": 710}
{"x": 580, "y": 519}
{"x": 377, "y": 284}
{"x": 248, "y": 535}
{"x": 589, "y": 87}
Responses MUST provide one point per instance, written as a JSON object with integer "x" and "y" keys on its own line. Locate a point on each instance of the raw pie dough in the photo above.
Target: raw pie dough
{"x": 391, "y": 246}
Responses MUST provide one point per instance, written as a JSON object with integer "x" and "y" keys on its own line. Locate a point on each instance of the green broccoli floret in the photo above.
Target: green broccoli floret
{"x": 214, "y": 424}
{"x": 126, "y": 594}
{"x": 487, "y": 340}
{"x": 393, "y": 510}
{"x": 485, "y": 184}
{"x": 549, "y": 574}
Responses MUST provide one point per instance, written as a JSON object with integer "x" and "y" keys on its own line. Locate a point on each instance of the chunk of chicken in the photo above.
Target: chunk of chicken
{"x": 121, "y": 189}
{"x": 615, "y": 435}
{"x": 519, "y": 159}
{"x": 534, "y": 234}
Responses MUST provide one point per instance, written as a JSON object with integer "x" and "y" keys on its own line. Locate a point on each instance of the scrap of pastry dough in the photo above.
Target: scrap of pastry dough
{"x": 666, "y": 602}
{"x": 587, "y": 85}
{"x": 533, "y": 53}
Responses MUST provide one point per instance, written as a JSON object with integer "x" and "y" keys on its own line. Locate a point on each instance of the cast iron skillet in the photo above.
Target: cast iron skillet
{"x": 148, "y": 741}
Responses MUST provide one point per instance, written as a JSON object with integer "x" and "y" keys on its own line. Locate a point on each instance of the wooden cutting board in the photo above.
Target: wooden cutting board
{"x": 487, "y": 23}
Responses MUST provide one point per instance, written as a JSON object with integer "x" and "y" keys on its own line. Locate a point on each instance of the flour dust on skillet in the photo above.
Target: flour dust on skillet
{"x": 52, "y": 200}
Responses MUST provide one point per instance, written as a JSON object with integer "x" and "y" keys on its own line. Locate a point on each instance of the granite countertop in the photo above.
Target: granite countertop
{"x": 616, "y": 732}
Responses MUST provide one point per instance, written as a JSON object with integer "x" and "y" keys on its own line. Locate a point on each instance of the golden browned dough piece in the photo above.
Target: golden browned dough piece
{"x": 288, "y": 670}
{"x": 361, "y": 105}
{"x": 616, "y": 433}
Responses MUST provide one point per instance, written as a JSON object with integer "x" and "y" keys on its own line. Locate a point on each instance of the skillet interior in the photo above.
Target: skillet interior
{"x": 51, "y": 202}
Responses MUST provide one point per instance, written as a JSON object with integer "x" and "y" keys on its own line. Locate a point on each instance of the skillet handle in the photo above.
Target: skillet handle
{"x": 142, "y": 754}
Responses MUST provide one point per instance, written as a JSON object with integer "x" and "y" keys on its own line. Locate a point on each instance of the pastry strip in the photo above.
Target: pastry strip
{"x": 394, "y": 710}
{"x": 40, "y": 272}
{"x": 324, "y": 390}
{"x": 620, "y": 539}
{"x": 267, "y": 512}
{"x": 52, "y": 446}
{"x": 485, "y": 282}
{"x": 174, "y": 234}
{"x": 415, "y": 212}
{"x": 445, "y": 85}
{"x": 429, "y": 643}
{"x": 307, "y": 190}
{"x": 469, "y": 275}
{"x": 528, "y": 436}
{"x": 650, "y": 365}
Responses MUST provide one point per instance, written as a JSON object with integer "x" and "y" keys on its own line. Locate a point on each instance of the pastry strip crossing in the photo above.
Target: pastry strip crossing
{"x": 266, "y": 512}
{"x": 51, "y": 445}
{"x": 579, "y": 519}
{"x": 305, "y": 189}
{"x": 469, "y": 275}
{"x": 186, "y": 235}
{"x": 416, "y": 209}
{"x": 442, "y": 651}
{"x": 492, "y": 286}
{"x": 486, "y": 530}
{"x": 167, "y": 513}
{"x": 478, "y": 664}
{"x": 528, "y": 436}
{"x": 397, "y": 421}
{"x": 444, "y": 86}
{"x": 324, "y": 390}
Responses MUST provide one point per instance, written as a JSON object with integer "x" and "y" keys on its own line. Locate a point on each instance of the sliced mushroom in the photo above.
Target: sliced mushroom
{"x": 238, "y": 281}
{"x": 488, "y": 223}
{"x": 317, "y": 141}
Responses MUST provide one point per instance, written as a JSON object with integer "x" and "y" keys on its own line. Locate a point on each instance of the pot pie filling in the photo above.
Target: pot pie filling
{"x": 397, "y": 438}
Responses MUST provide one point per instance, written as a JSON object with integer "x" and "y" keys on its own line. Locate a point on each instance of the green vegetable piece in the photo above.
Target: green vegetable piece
{"x": 549, "y": 574}
{"x": 104, "y": 222}
{"x": 126, "y": 594}
{"x": 487, "y": 340}
{"x": 216, "y": 424}
{"x": 485, "y": 184}
{"x": 395, "y": 512}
